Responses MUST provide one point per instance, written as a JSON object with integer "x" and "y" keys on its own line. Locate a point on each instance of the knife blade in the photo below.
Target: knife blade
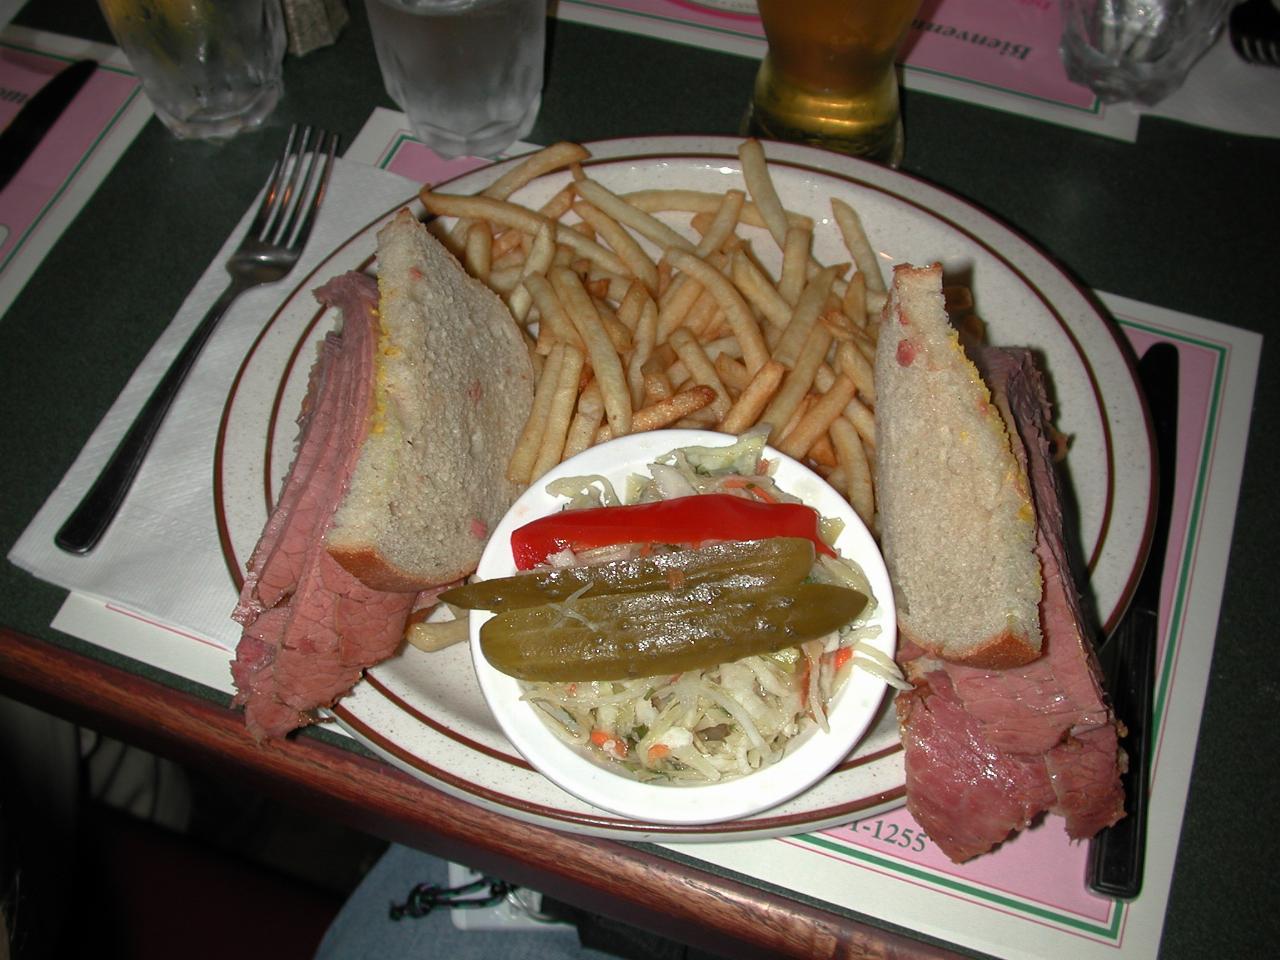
{"x": 1118, "y": 853}
{"x": 38, "y": 115}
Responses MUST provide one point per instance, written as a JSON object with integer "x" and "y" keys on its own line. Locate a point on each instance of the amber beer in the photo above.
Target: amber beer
{"x": 829, "y": 77}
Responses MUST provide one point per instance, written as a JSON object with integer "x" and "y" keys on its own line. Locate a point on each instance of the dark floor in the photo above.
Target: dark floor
{"x": 278, "y": 837}
{"x": 85, "y": 873}
{"x": 107, "y": 852}
{"x": 159, "y": 894}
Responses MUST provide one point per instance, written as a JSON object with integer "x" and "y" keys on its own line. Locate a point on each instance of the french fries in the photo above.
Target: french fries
{"x": 654, "y": 308}
{"x": 432, "y": 635}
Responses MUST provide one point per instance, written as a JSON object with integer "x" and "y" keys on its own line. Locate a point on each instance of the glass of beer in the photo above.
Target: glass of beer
{"x": 829, "y": 76}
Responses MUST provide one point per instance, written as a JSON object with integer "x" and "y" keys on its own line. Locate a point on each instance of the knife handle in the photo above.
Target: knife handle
{"x": 37, "y": 117}
{"x": 1118, "y": 853}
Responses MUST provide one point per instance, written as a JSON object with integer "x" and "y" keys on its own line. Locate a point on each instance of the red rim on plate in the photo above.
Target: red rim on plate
{"x": 393, "y": 718}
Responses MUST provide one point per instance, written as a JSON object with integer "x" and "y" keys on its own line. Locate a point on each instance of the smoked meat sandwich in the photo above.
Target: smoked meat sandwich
{"x": 413, "y": 408}
{"x": 1006, "y": 719}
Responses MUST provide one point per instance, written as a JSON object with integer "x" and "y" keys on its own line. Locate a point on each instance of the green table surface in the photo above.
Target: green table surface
{"x": 1178, "y": 219}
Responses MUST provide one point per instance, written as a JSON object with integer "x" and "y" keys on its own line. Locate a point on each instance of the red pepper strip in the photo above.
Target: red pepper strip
{"x": 686, "y": 521}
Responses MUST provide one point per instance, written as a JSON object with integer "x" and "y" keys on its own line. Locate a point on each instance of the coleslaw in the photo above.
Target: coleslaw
{"x": 709, "y": 725}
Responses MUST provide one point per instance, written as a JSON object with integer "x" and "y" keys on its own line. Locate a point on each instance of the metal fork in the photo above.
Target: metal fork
{"x": 1254, "y": 28}
{"x": 271, "y": 246}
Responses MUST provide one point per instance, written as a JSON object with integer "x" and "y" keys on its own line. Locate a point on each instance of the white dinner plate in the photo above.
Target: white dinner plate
{"x": 425, "y": 712}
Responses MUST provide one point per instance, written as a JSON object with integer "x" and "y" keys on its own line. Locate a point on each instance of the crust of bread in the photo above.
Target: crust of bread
{"x": 1001, "y": 651}
{"x": 453, "y": 384}
{"x": 957, "y": 520}
{"x": 375, "y": 570}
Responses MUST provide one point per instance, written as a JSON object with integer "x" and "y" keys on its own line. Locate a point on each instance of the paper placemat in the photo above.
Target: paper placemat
{"x": 386, "y": 142}
{"x": 76, "y": 154}
{"x": 1002, "y": 54}
{"x": 1028, "y": 899}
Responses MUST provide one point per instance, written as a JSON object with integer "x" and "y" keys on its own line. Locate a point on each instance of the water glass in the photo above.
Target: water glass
{"x": 211, "y": 68}
{"x": 1138, "y": 50}
{"x": 468, "y": 73}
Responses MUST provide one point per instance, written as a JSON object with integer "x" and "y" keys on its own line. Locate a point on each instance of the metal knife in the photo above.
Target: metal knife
{"x": 23, "y": 134}
{"x": 1117, "y": 854}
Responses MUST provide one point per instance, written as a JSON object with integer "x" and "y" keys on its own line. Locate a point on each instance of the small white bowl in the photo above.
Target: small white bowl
{"x": 804, "y": 764}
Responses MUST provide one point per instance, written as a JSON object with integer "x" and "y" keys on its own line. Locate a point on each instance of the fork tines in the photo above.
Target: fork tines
{"x": 1254, "y": 28}
{"x": 296, "y": 187}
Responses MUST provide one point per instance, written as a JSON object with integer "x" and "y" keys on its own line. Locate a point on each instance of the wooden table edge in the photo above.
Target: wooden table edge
{"x": 606, "y": 877}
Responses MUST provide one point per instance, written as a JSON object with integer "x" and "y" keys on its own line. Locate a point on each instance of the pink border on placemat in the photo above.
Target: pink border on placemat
{"x": 1007, "y": 46}
{"x": 411, "y": 159}
{"x": 37, "y": 187}
{"x": 1010, "y": 46}
{"x": 703, "y": 14}
{"x": 1013, "y": 879}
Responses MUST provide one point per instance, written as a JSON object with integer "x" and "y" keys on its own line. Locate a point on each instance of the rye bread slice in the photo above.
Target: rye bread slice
{"x": 957, "y": 522}
{"x": 453, "y": 384}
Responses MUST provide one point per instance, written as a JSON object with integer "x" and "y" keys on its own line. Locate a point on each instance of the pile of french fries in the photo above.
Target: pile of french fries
{"x": 635, "y": 325}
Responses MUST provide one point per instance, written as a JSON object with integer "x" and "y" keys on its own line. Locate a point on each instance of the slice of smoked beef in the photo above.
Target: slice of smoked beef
{"x": 272, "y": 571}
{"x": 310, "y": 628}
{"x": 987, "y": 751}
{"x": 965, "y": 793}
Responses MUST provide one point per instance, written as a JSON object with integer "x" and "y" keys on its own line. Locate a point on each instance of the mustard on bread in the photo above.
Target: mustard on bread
{"x": 453, "y": 384}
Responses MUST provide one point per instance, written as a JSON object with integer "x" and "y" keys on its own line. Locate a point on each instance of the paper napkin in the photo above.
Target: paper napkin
{"x": 161, "y": 557}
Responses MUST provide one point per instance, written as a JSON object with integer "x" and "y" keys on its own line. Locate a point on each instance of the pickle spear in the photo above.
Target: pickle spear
{"x": 745, "y": 564}
{"x": 619, "y": 636}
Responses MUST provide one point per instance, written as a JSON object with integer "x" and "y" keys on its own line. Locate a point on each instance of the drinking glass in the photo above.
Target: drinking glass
{"x": 211, "y": 68}
{"x": 468, "y": 73}
{"x": 1138, "y": 50}
{"x": 829, "y": 76}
